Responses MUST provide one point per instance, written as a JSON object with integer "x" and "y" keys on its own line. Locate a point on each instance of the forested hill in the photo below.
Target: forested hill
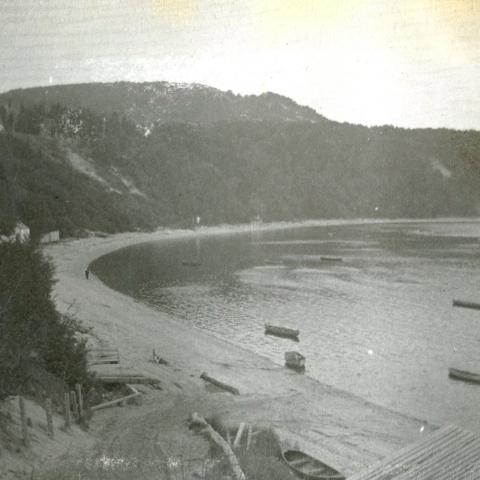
{"x": 115, "y": 157}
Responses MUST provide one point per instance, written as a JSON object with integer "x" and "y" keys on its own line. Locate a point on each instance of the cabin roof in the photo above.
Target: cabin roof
{"x": 446, "y": 454}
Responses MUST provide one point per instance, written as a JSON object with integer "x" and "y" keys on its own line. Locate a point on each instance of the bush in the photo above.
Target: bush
{"x": 39, "y": 347}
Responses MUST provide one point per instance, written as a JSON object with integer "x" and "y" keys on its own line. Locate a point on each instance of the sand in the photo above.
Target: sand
{"x": 346, "y": 431}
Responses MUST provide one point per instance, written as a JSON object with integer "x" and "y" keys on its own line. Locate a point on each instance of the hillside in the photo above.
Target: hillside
{"x": 123, "y": 156}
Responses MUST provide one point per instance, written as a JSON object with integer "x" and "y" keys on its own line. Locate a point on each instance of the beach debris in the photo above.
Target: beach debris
{"x": 158, "y": 359}
{"x": 125, "y": 378}
{"x": 119, "y": 401}
{"x": 465, "y": 304}
{"x": 238, "y": 437}
{"x": 201, "y": 426}
{"x": 218, "y": 383}
{"x": 103, "y": 356}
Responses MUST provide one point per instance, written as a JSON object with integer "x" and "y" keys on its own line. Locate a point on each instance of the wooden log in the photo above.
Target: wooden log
{"x": 74, "y": 405}
{"x": 464, "y": 304}
{"x": 206, "y": 429}
{"x": 220, "y": 384}
{"x": 48, "y": 413}
{"x": 66, "y": 408}
{"x": 136, "y": 379}
{"x": 238, "y": 437}
{"x": 78, "y": 388}
{"x": 23, "y": 421}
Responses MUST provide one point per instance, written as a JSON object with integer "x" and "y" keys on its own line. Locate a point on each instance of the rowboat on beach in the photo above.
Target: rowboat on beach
{"x": 308, "y": 467}
{"x": 295, "y": 360}
{"x": 464, "y": 375}
{"x": 331, "y": 259}
{"x": 281, "y": 331}
{"x": 465, "y": 304}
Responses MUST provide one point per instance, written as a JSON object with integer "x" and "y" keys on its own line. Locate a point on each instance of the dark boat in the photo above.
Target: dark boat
{"x": 464, "y": 375}
{"x": 331, "y": 259}
{"x": 281, "y": 331}
{"x": 308, "y": 467}
{"x": 464, "y": 304}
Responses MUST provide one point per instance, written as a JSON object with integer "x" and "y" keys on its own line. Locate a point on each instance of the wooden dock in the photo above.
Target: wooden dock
{"x": 449, "y": 453}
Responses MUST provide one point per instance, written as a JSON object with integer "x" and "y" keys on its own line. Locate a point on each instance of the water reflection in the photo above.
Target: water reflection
{"x": 379, "y": 323}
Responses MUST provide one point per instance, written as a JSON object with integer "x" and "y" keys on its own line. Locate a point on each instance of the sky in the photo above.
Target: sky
{"x": 409, "y": 63}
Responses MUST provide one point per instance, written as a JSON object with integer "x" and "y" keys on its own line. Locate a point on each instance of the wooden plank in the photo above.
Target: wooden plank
{"x": 125, "y": 379}
{"x": 135, "y": 393}
{"x": 238, "y": 437}
{"x": 220, "y": 384}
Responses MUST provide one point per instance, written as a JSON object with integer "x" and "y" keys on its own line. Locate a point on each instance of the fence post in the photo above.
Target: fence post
{"x": 66, "y": 407}
{"x": 73, "y": 401}
{"x": 80, "y": 399}
{"x": 23, "y": 421}
{"x": 48, "y": 411}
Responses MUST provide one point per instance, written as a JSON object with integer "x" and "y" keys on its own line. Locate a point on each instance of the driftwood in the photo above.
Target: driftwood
{"x": 203, "y": 427}
{"x": 135, "y": 393}
{"x": 125, "y": 379}
{"x": 464, "y": 304}
{"x": 220, "y": 384}
{"x": 238, "y": 437}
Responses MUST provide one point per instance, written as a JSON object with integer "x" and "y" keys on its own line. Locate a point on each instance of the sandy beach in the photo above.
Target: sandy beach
{"x": 346, "y": 431}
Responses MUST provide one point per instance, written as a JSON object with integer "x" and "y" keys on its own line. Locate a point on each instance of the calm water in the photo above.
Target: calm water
{"x": 379, "y": 324}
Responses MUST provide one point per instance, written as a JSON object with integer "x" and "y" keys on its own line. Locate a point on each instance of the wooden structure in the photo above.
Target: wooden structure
{"x": 119, "y": 401}
{"x": 125, "y": 378}
{"x": 103, "y": 356}
{"x": 218, "y": 383}
{"x": 281, "y": 331}
{"x": 449, "y": 453}
{"x": 308, "y": 467}
{"x": 464, "y": 375}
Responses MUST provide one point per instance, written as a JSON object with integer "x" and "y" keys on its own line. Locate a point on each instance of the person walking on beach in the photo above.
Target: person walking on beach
{"x": 87, "y": 273}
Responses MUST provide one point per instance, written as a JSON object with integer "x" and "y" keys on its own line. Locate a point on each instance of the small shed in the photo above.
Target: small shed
{"x": 53, "y": 236}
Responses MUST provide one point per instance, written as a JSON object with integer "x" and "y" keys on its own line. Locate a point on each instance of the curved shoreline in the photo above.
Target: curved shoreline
{"x": 358, "y": 432}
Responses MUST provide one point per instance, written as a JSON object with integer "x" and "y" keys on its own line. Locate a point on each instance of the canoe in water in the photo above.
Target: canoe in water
{"x": 308, "y": 467}
{"x": 464, "y": 375}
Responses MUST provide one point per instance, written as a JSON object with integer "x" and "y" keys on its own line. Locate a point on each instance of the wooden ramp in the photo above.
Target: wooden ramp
{"x": 449, "y": 453}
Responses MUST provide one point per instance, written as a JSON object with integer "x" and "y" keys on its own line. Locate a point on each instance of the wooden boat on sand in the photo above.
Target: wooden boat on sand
{"x": 295, "y": 360}
{"x": 465, "y": 304}
{"x": 308, "y": 467}
{"x": 464, "y": 375}
{"x": 331, "y": 259}
{"x": 281, "y": 331}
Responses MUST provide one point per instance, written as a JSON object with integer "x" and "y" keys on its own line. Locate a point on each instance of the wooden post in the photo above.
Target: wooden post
{"x": 80, "y": 399}
{"x": 48, "y": 411}
{"x": 23, "y": 421}
{"x": 66, "y": 406}
{"x": 249, "y": 436}
{"x": 241, "y": 428}
{"x": 73, "y": 402}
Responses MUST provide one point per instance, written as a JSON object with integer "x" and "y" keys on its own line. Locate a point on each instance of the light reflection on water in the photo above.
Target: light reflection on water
{"x": 379, "y": 324}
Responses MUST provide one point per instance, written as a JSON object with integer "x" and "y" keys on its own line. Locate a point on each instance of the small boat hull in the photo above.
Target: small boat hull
{"x": 308, "y": 467}
{"x": 281, "y": 331}
{"x": 464, "y": 375}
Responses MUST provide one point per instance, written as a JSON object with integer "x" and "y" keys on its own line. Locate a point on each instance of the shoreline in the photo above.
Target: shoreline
{"x": 346, "y": 431}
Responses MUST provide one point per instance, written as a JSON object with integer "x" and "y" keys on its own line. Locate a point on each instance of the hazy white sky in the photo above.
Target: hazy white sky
{"x": 401, "y": 62}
